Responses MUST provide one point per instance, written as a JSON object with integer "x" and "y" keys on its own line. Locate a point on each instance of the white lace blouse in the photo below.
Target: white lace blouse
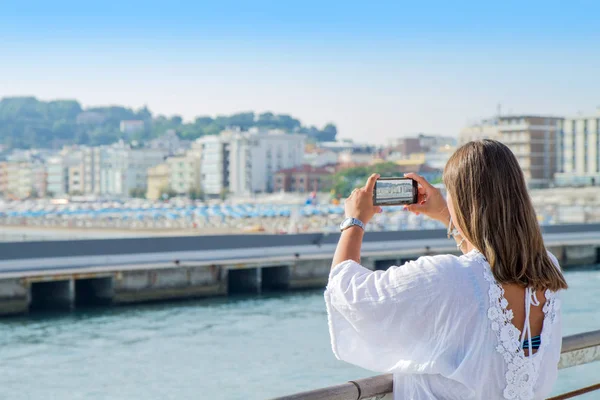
{"x": 441, "y": 326}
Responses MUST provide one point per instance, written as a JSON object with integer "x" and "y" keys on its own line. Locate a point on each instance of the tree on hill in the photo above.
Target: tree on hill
{"x": 27, "y": 122}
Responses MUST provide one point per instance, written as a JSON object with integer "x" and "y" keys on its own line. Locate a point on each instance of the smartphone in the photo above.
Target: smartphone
{"x": 395, "y": 191}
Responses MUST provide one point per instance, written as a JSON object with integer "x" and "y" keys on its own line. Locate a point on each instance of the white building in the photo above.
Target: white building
{"x": 132, "y": 126}
{"x": 61, "y": 170}
{"x": 57, "y": 179}
{"x": 319, "y": 157}
{"x": 355, "y": 157}
{"x": 123, "y": 169}
{"x": 245, "y": 162}
{"x": 112, "y": 170}
{"x": 255, "y": 156}
{"x": 579, "y": 151}
{"x": 138, "y": 162}
{"x": 214, "y": 164}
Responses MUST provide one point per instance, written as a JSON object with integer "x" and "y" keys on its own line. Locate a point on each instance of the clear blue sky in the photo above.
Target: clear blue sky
{"x": 376, "y": 70}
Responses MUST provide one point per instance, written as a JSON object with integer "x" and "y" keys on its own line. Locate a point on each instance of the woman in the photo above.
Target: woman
{"x": 485, "y": 325}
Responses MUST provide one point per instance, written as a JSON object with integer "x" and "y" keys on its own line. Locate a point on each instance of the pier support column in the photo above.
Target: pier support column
{"x": 47, "y": 295}
{"x": 14, "y": 297}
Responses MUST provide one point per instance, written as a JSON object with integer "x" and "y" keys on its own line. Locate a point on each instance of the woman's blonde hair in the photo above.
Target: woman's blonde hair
{"x": 495, "y": 213}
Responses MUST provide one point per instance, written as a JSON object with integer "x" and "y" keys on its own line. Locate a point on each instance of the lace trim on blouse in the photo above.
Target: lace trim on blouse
{"x": 522, "y": 371}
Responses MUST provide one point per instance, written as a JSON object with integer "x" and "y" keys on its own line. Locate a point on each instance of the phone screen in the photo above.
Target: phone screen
{"x": 395, "y": 191}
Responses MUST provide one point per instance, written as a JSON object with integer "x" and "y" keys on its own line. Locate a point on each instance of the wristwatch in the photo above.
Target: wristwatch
{"x": 348, "y": 222}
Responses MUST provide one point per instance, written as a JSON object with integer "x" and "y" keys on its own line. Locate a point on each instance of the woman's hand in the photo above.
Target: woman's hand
{"x": 430, "y": 201}
{"x": 359, "y": 204}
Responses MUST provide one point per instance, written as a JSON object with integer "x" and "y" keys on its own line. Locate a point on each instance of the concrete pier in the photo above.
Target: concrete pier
{"x": 167, "y": 283}
{"x": 58, "y": 275}
{"x": 305, "y": 274}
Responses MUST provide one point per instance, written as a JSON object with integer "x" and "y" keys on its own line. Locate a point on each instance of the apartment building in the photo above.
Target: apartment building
{"x": 179, "y": 174}
{"x": 58, "y": 176}
{"x": 184, "y": 173}
{"x": 214, "y": 164}
{"x": 255, "y": 156}
{"x": 244, "y": 162}
{"x": 22, "y": 179}
{"x": 533, "y": 141}
{"x": 578, "y": 155}
{"x": 118, "y": 169}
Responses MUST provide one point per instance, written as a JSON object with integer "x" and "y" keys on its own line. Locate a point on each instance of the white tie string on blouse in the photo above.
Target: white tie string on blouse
{"x": 441, "y": 326}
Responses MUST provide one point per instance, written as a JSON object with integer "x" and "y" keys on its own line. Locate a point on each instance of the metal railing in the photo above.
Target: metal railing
{"x": 577, "y": 349}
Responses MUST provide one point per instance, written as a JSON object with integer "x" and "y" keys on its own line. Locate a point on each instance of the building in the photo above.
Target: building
{"x": 303, "y": 179}
{"x": 256, "y": 155}
{"x": 3, "y": 178}
{"x": 19, "y": 182}
{"x": 184, "y": 173}
{"x": 158, "y": 181}
{"x": 244, "y": 162}
{"x": 356, "y": 157}
{"x": 136, "y": 173}
{"x": 533, "y": 141}
{"x": 123, "y": 170}
{"x": 406, "y": 146}
{"x": 76, "y": 179}
{"x": 578, "y": 157}
{"x": 486, "y": 129}
{"x": 74, "y": 170}
{"x": 39, "y": 176}
{"x": 438, "y": 158}
{"x": 22, "y": 179}
{"x": 531, "y": 138}
{"x": 132, "y": 126}
{"x": 170, "y": 143}
{"x": 57, "y": 176}
{"x": 430, "y": 143}
{"x": 214, "y": 164}
{"x": 319, "y": 157}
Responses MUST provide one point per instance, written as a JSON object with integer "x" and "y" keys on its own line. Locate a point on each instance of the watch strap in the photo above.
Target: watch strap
{"x": 350, "y": 221}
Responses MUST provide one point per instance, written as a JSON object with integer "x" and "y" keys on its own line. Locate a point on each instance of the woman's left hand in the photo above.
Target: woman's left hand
{"x": 359, "y": 204}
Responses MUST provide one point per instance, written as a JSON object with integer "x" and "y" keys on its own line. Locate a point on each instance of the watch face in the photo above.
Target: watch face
{"x": 345, "y": 223}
